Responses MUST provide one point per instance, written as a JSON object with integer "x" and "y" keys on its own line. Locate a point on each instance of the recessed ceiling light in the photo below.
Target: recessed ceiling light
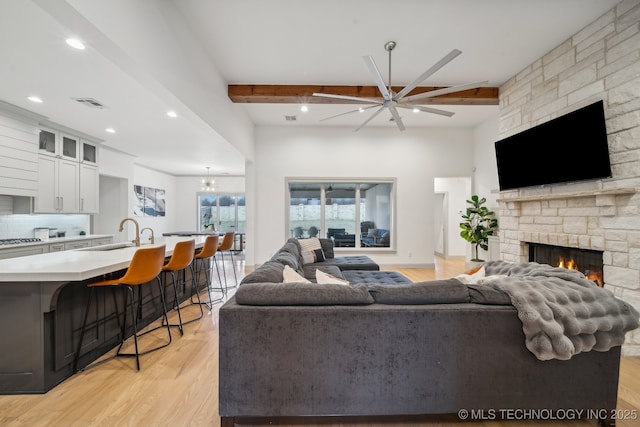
{"x": 172, "y": 114}
{"x": 75, "y": 43}
{"x": 35, "y": 99}
{"x": 304, "y": 108}
{"x": 361, "y": 110}
{"x": 110, "y": 130}
{"x": 416, "y": 110}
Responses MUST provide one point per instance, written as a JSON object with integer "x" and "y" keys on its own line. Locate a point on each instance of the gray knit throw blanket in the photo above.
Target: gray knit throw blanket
{"x": 562, "y": 312}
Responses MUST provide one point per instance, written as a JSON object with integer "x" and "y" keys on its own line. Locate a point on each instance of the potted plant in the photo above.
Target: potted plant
{"x": 479, "y": 223}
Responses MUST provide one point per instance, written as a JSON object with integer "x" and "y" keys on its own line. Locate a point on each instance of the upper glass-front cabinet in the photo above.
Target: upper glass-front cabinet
{"x": 59, "y": 145}
{"x": 70, "y": 147}
{"x": 89, "y": 152}
{"x": 48, "y": 142}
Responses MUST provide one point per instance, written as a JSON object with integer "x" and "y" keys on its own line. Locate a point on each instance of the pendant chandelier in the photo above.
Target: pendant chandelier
{"x": 207, "y": 182}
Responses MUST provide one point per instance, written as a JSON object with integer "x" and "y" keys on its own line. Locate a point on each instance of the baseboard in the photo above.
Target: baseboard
{"x": 399, "y": 266}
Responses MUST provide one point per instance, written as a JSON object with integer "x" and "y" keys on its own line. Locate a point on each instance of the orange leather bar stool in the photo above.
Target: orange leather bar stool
{"x": 181, "y": 259}
{"x": 146, "y": 265}
{"x": 226, "y": 246}
{"x": 202, "y": 260}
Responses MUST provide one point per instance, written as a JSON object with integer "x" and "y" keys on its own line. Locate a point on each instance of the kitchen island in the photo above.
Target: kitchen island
{"x": 42, "y": 300}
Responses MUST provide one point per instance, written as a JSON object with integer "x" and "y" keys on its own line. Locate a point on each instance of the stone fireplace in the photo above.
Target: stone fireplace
{"x": 600, "y": 61}
{"x": 586, "y": 261}
{"x": 573, "y": 217}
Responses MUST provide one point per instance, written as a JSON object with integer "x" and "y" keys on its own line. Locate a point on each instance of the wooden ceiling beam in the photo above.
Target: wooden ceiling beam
{"x": 303, "y": 94}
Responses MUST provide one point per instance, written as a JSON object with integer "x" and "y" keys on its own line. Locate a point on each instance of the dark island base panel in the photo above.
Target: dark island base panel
{"x": 34, "y": 366}
{"x": 361, "y": 419}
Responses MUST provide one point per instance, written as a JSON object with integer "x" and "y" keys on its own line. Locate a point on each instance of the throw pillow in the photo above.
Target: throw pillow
{"x": 473, "y": 270}
{"x": 488, "y": 279}
{"x": 471, "y": 279}
{"x": 289, "y": 275}
{"x": 327, "y": 279}
{"x": 311, "y": 250}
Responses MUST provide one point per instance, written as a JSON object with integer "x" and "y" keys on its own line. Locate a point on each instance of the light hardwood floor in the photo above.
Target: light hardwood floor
{"x": 178, "y": 385}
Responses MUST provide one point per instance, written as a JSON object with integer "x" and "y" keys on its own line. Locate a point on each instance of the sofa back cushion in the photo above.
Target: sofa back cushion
{"x": 449, "y": 291}
{"x": 327, "y": 248}
{"x": 287, "y": 258}
{"x": 302, "y": 294}
{"x": 270, "y": 271}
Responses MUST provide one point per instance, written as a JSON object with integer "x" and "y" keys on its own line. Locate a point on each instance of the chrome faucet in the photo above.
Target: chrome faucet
{"x": 136, "y": 241}
{"x": 152, "y": 239}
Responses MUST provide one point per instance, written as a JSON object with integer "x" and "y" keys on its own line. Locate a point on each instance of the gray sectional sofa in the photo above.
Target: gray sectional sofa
{"x": 396, "y": 350}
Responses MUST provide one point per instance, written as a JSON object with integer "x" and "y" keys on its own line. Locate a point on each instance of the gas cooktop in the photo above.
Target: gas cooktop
{"x": 19, "y": 240}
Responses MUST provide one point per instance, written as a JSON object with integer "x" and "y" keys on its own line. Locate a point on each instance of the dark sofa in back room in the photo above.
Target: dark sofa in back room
{"x": 379, "y": 350}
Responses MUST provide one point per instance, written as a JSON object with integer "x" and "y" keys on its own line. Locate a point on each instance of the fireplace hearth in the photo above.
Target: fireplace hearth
{"x": 588, "y": 262}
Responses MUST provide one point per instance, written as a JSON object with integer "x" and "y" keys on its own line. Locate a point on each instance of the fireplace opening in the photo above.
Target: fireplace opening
{"x": 588, "y": 262}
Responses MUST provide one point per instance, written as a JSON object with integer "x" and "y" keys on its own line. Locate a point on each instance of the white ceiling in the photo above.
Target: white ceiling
{"x": 133, "y": 67}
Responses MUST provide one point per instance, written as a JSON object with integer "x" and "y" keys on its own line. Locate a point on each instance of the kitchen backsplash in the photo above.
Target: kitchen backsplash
{"x": 22, "y": 226}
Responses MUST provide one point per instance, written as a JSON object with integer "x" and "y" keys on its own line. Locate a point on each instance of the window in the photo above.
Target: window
{"x": 353, "y": 214}
{"x": 221, "y": 212}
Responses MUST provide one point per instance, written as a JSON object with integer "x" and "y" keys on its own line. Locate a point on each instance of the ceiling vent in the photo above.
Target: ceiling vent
{"x": 291, "y": 118}
{"x": 89, "y": 102}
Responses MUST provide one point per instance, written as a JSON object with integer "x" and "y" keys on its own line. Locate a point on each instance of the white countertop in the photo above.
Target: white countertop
{"x": 79, "y": 264}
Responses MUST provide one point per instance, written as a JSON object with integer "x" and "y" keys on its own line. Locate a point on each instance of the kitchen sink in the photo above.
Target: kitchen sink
{"x": 110, "y": 247}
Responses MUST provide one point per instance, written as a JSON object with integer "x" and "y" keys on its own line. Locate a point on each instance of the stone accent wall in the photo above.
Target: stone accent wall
{"x": 602, "y": 61}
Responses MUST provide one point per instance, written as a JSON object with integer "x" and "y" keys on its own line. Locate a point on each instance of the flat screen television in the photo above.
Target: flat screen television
{"x": 569, "y": 148}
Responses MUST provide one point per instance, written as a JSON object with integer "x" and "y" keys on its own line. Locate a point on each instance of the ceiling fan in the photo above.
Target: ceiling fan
{"x": 392, "y": 100}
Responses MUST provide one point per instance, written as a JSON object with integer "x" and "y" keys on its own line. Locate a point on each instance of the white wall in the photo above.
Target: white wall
{"x": 485, "y": 177}
{"x": 119, "y": 173}
{"x": 187, "y": 197}
{"x": 414, "y": 157}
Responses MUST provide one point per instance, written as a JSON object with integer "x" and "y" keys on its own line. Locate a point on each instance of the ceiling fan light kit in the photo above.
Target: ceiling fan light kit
{"x": 392, "y": 101}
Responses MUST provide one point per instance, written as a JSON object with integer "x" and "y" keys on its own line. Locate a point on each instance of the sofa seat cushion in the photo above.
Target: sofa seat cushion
{"x": 354, "y": 262}
{"x": 302, "y": 294}
{"x": 450, "y": 291}
{"x": 375, "y": 277}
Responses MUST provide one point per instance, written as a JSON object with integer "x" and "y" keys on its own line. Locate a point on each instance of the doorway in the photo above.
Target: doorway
{"x": 450, "y": 195}
{"x": 114, "y": 206}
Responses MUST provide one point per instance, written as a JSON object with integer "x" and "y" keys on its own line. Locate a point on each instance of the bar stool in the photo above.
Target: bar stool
{"x": 181, "y": 259}
{"x": 146, "y": 265}
{"x": 205, "y": 256}
{"x": 225, "y": 246}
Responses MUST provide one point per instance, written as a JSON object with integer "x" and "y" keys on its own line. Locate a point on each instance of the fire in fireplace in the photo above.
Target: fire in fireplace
{"x": 588, "y": 262}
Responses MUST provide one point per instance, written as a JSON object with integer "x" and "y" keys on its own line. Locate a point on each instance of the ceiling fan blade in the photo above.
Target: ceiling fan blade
{"x": 377, "y": 77}
{"x": 349, "y": 112}
{"x": 369, "y": 119}
{"x": 444, "y": 61}
{"x": 349, "y": 98}
{"x": 444, "y": 91}
{"x": 397, "y": 118}
{"x": 426, "y": 109}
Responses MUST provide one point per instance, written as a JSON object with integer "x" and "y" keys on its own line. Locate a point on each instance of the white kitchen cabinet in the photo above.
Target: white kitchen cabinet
{"x": 88, "y": 152}
{"x": 77, "y": 244}
{"x": 25, "y": 251}
{"x": 89, "y": 187}
{"x": 58, "y": 144}
{"x": 102, "y": 241}
{"x": 56, "y": 247}
{"x": 58, "y": 185}
{"x": 67, "y": 174}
